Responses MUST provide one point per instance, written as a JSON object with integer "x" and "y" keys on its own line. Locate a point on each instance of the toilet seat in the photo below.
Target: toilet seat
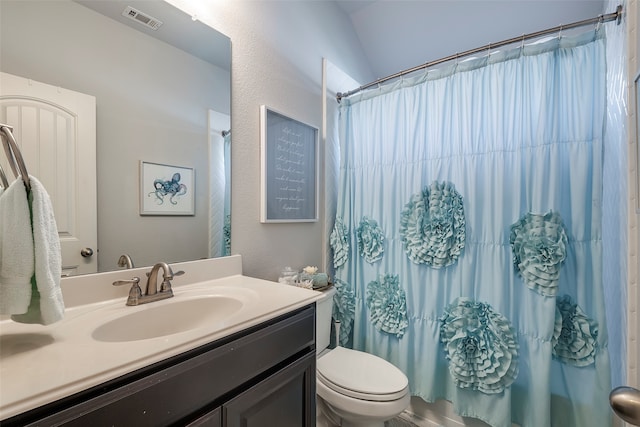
{"x": 361, "y": 375}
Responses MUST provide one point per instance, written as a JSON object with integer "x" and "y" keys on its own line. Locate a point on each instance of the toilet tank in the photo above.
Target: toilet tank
{"x": 324, "y": 308}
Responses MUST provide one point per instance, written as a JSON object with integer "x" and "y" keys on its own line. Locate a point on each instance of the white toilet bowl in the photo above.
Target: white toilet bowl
{"x": 359, "y": 388}
{"x": 354, "y": 388}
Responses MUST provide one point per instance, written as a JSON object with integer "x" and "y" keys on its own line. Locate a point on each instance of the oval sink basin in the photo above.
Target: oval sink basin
{"x": 153, "y": 321}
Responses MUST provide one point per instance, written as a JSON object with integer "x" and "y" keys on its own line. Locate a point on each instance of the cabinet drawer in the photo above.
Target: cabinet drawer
{"x": 179, "y": 388}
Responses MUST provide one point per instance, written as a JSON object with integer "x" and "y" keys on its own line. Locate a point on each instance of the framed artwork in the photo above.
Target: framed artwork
{"x": 289, "y": 168}
{"x": 166, "y": 189}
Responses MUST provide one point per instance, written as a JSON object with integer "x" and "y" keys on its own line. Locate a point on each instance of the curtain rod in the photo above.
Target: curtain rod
{"x": 614, "y": 16}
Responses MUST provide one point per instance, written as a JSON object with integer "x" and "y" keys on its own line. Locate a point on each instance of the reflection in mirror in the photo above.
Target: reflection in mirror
{"x": 161, "y": 96}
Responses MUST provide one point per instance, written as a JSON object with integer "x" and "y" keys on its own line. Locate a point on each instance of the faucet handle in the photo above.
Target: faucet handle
{"x": 166, "y": 283}
{"x": 135, "y": 293}
{"x": 169, "y": 274}
{"x": 134, "y": 281}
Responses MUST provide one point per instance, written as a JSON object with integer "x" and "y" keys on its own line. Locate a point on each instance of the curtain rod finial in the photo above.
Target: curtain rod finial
{"x": 619, "y": 12}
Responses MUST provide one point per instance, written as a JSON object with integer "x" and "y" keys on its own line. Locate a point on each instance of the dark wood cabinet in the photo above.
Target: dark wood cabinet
{"x": 210, "y": 419}
{"x": 283, "y": 399}
{"x": 263, "y": 376}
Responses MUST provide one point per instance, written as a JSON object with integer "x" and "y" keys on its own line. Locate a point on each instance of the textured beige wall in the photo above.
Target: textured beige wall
{"x": 277, "y": 50}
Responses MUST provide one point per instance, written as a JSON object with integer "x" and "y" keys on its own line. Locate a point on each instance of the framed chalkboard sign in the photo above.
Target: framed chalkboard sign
{"x": 289, "y": 162}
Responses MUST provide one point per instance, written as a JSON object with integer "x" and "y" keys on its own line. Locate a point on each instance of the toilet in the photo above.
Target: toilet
{"x": 353, "y": 388}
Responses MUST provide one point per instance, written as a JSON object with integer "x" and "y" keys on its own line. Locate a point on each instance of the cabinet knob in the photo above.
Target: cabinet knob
{"x": 86, "y": 252}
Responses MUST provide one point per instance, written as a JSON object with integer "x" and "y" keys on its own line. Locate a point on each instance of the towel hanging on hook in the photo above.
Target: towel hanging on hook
{"x": 14, "y": 156}
{"x": 30, "y": 272}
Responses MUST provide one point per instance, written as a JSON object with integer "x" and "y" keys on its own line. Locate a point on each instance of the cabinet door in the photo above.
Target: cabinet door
{"x": 210, "y": 419}
{"x": 286, "y": 399}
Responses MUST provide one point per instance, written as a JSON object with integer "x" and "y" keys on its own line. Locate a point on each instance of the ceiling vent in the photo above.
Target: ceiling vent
{"x": 144, "y": 19}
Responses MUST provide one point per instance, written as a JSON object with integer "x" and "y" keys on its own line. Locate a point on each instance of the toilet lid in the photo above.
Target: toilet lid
{"x": 361, "y": 375}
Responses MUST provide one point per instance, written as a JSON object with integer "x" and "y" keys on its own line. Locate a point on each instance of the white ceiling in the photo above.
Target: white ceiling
{"x": 400, "y": 34}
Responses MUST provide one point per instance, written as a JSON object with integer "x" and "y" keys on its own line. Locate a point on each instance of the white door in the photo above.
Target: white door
{"x": 55, "y": 129}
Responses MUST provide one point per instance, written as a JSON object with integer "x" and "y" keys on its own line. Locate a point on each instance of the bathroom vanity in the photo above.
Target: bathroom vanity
{"x": 255, "y": 368}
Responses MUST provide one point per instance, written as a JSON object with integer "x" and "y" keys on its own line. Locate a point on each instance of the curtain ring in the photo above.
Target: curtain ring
{"x": 522, "y": 43}
{"x": 560, "y": 32}
{"x": 599, "y": 23}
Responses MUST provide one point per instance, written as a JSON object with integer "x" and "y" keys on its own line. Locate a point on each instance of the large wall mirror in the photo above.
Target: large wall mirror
{"x": 162, "y": 96}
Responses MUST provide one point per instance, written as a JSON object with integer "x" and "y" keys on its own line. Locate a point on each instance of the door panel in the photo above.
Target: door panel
{"x": 287, "y": 398}
{"x": 55, "y": 129}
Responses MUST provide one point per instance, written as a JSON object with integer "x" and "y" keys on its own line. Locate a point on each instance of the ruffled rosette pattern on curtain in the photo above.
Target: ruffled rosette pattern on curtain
{"x": 575, "y": 335}
{"x": 480, "y": 345}
{"x": 387, "y": 305}
{"x": 432, "y": 226}
{"x": 370, "y": 240}
{"x": 539, "y": 245}
{"x": 339, "y": 241}
{"x": 344, "y": 309}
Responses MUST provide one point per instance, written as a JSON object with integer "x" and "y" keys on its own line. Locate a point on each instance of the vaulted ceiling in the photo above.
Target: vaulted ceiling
{"x": 399, "y": 34}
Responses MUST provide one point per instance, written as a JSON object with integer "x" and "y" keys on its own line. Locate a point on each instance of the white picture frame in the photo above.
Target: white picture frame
{"x": 166, "y": 189}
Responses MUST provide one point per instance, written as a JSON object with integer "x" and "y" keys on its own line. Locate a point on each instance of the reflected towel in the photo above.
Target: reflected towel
{"x": 16, "y": 250}
{"x": 47, "y": 305}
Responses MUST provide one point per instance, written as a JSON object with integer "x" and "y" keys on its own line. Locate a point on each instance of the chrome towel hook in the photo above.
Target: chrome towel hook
{"x": 3, "y": 179}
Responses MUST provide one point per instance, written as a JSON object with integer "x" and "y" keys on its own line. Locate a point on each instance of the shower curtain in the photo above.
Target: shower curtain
{"x": 220, "y": 193}
{"x": 467, "y": 243}
{"x": 226, "y": 228}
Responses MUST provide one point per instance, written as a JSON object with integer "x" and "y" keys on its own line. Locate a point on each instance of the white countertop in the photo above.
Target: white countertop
{"x": 41, "y": 364}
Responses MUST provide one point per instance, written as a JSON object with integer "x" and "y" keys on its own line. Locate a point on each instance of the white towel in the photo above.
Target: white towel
{"x": 47, "y": 305}
{"x": 17, "y": 260}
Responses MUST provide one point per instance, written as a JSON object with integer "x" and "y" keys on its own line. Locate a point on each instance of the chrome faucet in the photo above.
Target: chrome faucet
{"x": 151, "y": 292}
{"x": 152, "y": 280}
{"x": 125, "y": 261}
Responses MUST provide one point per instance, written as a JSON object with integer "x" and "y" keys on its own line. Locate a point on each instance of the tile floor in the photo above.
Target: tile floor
{"x": 399, "y": 422}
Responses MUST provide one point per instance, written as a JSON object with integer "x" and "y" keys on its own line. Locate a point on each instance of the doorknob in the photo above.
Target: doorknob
{"x": 625, "y": 402}
{"x": 86, "y": 252}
